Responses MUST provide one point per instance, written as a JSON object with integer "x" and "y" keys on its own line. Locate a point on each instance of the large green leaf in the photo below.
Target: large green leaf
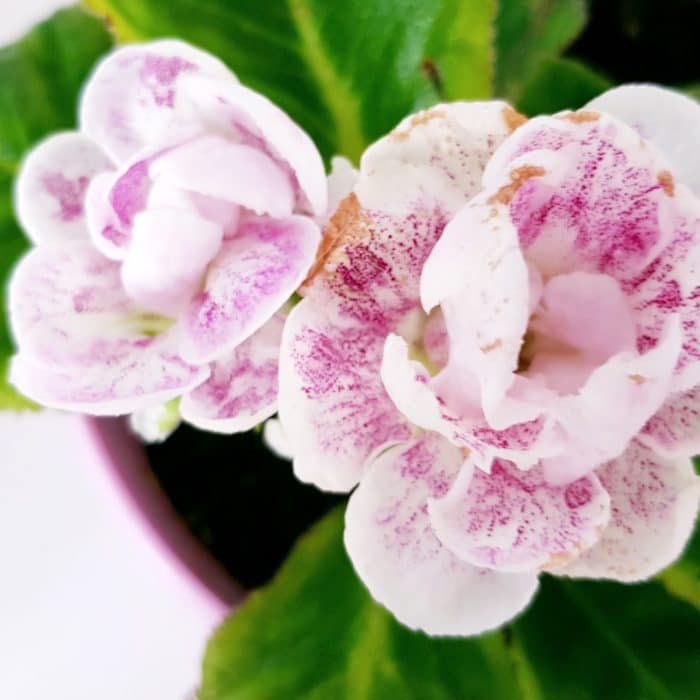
{"x": 347, "y": 72}
{"x": 560, "y": 83}
{"x": 314, "y": 632}
{"x": 527, "y": 33}
{"x": 40, "y": 77}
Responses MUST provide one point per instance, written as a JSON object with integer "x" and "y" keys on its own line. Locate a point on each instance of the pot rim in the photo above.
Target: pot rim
{"x": 129, "y": 472}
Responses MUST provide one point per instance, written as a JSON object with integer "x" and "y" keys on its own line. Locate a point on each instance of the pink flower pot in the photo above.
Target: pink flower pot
{"x": 105, "y": 593}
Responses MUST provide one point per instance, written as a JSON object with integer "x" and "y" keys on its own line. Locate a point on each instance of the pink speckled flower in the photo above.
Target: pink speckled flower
{"x": 515, "y": 390}
{"x": 169, "y": 231}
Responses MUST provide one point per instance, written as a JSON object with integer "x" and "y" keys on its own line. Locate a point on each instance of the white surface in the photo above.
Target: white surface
{"x": 90, "y": 608}
{"x": 19, "y": 15}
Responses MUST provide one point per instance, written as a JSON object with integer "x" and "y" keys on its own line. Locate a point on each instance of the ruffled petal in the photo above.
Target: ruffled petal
{"x": 84, "y": 344}
{"x": 253, "y": 120}
{"x": 137, "y": 377}
{"x": 332, "y": 405}
{"x": 233, "y": 172}
{"x": 674, "y": 430}
{"x": 106, "y": 231}
{"x": 654, "y": 503}
{"x": 241, "y": 391}
{"x": 167, "y": 256}
{"x": 613, "y": 405}
{"x": 478, "y": 275}
{"x": 112, "y": 203}
{"x": 420, "y": 400}
{"x": 138, "y": 95}
{"x": 667, "y": 118}
{"x": 512, "y": 520}
{"x": 397, "y": 555}
{"x": 364, "y": 285}
{"x": 51, "y": 187}
{"x": 251, "y": 278}
{"x": 586, "y": 194}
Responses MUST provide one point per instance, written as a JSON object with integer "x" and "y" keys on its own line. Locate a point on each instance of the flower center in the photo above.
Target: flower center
{"x": 579, "y": 321}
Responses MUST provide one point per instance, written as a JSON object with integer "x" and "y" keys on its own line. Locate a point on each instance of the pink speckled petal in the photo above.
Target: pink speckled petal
{"x": 421, "y": 399}
{"x": 397, "y": 555}
{"x": 106, "y": 231}
{"x": 112, "y": 202}
{"x": 614, "y": 405}
{"x": 332, "y": 405}
{"x": 165, "y": 263}
{"x": 137, "y": 377}
{"x": 51, "y": 187}
{"x": 437, "y": 155}
{"x": 234, "y": 172}
{"x": 586, "y": 314}
{"x": 84, "y": 345}
{"x": 364, "y": 285}
{"x": 669, "y": 285}
{"x": 254, "y": 120}
{"x": 477, "y": 274}
{"x": 583, "y": 193}
{"x": 241, "y": 391}
{"x": 654, "y": 503}
{"x": 253, "y": 275}
{"x": 674, "y": 430}
{"x": 138, "y": 95}
{"x": 586, "y": 193}
{"x": 669, "y": 119}
{"x": 512, "y": 520}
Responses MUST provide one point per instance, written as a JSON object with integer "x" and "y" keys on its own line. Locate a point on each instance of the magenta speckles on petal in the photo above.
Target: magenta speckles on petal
{"x": 396, "y": 552}
{"x": 52, "y": 184}
{"x": 130, "y": 192}
{"x": 250, "y": 279}
{"x": 69, "y": 193}
{"x": 242, "y": 389}
{"x": 147, "y": 300}
{"x": 158, "y": 73}
{"x": 511, "y": 520}
{"x": 654, "y": 502}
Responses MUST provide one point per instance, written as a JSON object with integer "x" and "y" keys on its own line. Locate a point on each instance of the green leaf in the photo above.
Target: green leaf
{"x": 560, "y": 83}
{"x": 347, "y": 72}
{"x": 591, "y": 640}
{"x": 314, "y": 632}
{"x": 40, "y": 77}
{"x": 527, "y": 33}
{"x": 683, "y": 578}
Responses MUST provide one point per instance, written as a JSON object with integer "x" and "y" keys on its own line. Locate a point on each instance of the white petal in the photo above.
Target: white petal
{"x": 395, "y": 552}
{"x": 241, "y": 391}
{"x": 654, "y": 504}
{"x": 52, "y": 183}
{"x": 669, "y": 119}
{"x": 138, "y": 95}
{"x": 674, "y": 430}
{"x": 167, "y": 257}
{"x": 332, "y": 404}
{"x": 512, "y": 520}
{"x": 234, "y": 172}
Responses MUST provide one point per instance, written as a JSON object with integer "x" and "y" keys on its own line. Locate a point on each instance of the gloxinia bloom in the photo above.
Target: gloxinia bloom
{"x": 500, "y": 344}
{"x": 169, "y": 231}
